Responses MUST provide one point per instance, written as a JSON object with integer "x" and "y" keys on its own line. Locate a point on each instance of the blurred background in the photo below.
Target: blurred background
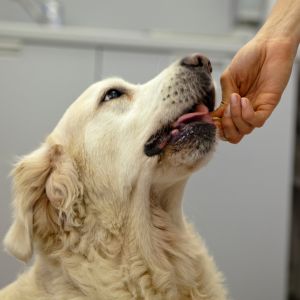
{"x": 244, "y": 203}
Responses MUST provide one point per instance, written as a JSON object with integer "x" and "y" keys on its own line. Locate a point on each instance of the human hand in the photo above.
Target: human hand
{"x": 252, "y": 85}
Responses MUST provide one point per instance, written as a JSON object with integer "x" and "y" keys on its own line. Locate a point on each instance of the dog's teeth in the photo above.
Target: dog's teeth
{"x": 174, "y": 132}
{"x": 164, "y": 142}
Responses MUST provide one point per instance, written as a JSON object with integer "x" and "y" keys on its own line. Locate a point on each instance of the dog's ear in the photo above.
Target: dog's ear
{"x": 46, "y": 176}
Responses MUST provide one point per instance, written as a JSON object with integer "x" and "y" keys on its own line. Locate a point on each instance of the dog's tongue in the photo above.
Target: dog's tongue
{"x": 201, "y": 114}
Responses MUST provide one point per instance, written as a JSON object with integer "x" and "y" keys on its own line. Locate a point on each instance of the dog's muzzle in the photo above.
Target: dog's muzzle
{"x": 195, "y": 94}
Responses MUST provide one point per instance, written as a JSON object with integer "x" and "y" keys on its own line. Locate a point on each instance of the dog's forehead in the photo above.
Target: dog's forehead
{"x": 91, "y": 96}
{"x": 112, "y": 83}
{"x": 85, "y": 106}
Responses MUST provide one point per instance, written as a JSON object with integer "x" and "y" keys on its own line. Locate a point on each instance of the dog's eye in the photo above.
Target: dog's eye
{"x": 112, "y": 94}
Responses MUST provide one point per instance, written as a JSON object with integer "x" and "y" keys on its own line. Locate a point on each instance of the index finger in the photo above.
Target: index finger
{"x": 255, "y": 118}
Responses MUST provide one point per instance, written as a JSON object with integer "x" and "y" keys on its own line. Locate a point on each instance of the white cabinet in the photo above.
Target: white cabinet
{"x": 37, "y": 84}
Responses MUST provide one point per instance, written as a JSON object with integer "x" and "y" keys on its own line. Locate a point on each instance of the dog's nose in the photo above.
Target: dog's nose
{"x": 197, "y": 60}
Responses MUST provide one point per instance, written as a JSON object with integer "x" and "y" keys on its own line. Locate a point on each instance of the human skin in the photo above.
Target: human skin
{"x": 253, "y": 83}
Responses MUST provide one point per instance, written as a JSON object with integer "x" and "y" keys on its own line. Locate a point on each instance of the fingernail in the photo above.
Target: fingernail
{"x": 234, "y": 99}
{"x": 244, "y": 102}
{"x": 227, "y": 111}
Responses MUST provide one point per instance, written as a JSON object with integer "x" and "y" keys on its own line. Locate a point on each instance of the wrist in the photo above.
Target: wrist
{"x": 274, "y": 32}
{"x": 283, "y": 22}
{"x": 278, "y": 32}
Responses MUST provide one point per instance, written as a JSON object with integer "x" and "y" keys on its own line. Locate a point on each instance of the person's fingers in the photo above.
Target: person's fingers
{"x": 227, "y": 86}
{"x": 242, "y": 126}
{"x": 230, "y": 131}
{"x": 255, "y": 118}
{"x": 227, "y": 89}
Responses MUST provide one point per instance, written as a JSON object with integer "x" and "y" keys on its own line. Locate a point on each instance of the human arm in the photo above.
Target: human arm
{"x": 254, "y": 81}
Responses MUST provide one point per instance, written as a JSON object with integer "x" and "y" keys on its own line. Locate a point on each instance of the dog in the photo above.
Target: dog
{"x": 100, "y": 201}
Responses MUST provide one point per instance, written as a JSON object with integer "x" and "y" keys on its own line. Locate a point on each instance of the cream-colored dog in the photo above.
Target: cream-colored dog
{"x": 100, "y": 202}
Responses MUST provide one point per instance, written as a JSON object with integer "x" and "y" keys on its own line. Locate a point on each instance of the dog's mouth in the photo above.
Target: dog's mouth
{"x": 194, "y": 122}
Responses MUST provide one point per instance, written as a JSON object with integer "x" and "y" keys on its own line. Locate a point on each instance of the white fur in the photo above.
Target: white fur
{"x": 105, "y": 221}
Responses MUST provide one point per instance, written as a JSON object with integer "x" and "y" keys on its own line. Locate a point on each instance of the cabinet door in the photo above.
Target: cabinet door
{"x": 36, "y": 86}
{"x": 133, "y": 66}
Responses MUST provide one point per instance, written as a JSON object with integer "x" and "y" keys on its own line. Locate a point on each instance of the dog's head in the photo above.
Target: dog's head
{"x": 105, "y": 140}
{"x": 183, "y": 132}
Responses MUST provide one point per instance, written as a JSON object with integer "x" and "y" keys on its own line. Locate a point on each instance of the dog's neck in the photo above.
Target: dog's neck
{"x": 147, "y": 242}
{"x": 155, "y": 217}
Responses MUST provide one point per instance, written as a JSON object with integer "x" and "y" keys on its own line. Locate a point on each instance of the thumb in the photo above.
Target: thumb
{"x": 227, "y": 89}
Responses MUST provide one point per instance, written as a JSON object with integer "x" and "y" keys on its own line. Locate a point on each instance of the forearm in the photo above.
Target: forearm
{"x": 283, "y": 21}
